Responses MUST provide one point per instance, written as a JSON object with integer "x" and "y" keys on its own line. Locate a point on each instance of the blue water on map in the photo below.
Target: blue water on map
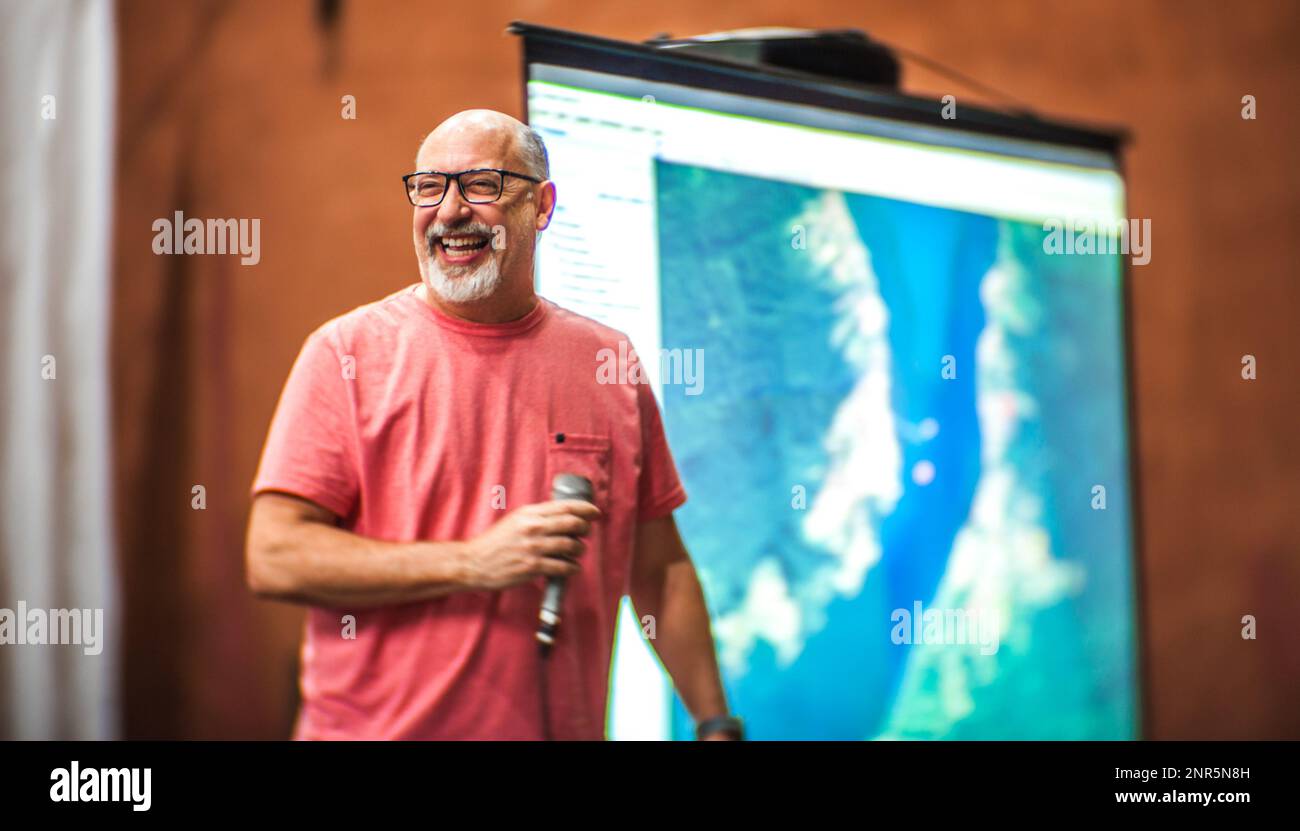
{"x": 901, "y": 404}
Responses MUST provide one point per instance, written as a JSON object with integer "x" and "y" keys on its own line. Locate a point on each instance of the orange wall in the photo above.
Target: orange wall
{"x": 233, "y": 110}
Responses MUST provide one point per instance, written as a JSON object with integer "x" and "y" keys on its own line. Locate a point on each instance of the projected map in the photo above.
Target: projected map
{"x": 905, "y": 407}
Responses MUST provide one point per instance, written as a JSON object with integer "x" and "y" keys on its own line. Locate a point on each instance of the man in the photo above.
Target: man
{"x": 404, "y": 490}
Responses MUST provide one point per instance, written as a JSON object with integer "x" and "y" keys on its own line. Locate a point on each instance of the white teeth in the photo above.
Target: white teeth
{"x": 461, "y": 242}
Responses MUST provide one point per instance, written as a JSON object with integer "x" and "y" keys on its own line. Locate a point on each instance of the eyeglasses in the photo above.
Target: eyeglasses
{"x": 427, "y": 189}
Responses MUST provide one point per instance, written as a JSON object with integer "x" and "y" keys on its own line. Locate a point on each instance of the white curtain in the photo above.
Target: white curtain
{"x": 57, "y": 102}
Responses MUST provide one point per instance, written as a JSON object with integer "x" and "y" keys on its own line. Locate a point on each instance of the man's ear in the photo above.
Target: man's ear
{"x": 546, "y": 205}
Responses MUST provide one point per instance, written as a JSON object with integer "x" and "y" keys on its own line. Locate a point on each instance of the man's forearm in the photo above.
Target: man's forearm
{"x": 683, "y": 639}
{"x": 322, "y": 565}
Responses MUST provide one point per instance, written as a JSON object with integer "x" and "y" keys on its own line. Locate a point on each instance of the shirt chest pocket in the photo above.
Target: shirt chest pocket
{"x": 582, "y": 454}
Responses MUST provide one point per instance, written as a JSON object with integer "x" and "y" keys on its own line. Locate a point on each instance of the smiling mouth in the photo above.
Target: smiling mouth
{"x": 460, "y": 248}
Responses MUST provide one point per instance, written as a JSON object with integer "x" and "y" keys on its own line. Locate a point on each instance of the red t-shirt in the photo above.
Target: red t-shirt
{"x": 414, "y": 425}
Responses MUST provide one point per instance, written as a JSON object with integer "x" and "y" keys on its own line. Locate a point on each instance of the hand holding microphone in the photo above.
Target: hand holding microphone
{"x": 541, "y": 540}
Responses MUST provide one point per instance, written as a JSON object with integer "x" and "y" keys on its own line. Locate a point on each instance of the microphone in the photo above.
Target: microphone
{"x": 565, "y": 486}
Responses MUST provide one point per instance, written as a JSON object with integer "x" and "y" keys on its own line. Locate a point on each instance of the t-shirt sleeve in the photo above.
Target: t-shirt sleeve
{"x": 310, "y": 447}
{"x": 660, "y": 490}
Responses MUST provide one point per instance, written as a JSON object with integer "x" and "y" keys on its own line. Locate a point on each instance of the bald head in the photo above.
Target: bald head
{"x": 494, "y": 138}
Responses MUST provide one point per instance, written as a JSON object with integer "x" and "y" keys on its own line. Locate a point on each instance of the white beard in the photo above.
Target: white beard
{"x": 464, "y": 287}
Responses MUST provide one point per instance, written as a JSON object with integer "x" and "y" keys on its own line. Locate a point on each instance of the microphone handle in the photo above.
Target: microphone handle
{"x": 548, "y": 619}
{"x": 565, "y": 486}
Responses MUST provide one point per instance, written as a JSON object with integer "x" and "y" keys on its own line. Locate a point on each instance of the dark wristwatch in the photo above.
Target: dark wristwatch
{"x": 730, "y": 725}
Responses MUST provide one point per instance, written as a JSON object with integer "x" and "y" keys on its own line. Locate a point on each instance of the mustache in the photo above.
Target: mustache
{"x": 439, "y": 229}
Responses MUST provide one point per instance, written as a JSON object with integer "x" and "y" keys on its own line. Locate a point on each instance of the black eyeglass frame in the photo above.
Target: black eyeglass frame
{"x": 455, "y": 177}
